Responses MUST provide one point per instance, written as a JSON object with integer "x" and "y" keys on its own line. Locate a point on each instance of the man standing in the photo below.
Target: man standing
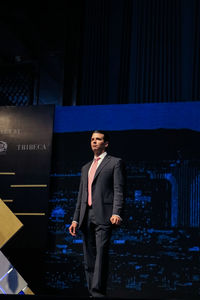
{"x": 98, "y": 210}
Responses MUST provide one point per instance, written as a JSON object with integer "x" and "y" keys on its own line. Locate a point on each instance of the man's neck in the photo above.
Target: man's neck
{"x": 96, "y": 154}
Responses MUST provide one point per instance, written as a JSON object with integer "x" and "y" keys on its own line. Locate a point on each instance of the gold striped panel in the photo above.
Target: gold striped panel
{"x": 7, "y": 173}
{"x": 29, "y": 214}
{"x": 27, "y": 185}
{"x": 7, "y": 200}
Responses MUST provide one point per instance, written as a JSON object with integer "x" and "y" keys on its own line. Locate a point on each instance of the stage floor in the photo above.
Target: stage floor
{"x": 54, "y": 297}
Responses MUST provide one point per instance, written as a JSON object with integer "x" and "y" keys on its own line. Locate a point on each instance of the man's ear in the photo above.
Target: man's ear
{"x": 106, "y": 144}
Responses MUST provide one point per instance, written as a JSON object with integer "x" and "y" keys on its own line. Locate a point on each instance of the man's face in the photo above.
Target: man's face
{"x": 97, "y": 143}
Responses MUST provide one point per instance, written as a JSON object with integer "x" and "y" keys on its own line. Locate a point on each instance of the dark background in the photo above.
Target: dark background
{"x": 99, "y": 52}
{"x": 94, "y": 52}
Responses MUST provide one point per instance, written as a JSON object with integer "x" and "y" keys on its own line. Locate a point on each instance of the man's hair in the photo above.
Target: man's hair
{"x": 106, "y": 136}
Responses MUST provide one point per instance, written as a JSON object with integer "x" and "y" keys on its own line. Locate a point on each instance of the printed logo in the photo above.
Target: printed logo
{"x": 31, "y": 147}
{"x": 3, "y": 147}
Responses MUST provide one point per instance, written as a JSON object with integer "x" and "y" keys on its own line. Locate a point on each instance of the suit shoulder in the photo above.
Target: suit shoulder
{"x": 115, "y": 159}
{"x": 86, "y": 165}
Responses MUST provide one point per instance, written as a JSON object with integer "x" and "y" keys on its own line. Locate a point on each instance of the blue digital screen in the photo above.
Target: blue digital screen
{"x": 156, "y": 250}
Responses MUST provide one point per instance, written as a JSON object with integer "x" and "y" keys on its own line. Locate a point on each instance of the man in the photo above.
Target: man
{"x": 98, "y": 210}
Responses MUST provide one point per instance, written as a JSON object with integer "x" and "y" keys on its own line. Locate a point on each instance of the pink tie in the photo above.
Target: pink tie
{"x": 90, "y": 180}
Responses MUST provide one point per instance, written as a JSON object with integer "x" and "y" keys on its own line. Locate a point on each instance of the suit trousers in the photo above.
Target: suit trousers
{"x": 96, "y": 240}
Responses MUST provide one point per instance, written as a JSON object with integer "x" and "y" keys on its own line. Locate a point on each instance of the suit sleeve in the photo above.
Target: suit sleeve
{"x": 78, "y": 203}
{"x": 119, "y": 187}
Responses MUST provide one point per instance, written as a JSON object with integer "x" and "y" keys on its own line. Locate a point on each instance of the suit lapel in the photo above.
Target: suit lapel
{"x": 102, "y": 165}
{"x": 87, "y": 167}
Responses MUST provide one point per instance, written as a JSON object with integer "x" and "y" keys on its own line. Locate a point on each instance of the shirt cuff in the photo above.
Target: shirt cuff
{"x": 74, "y": 222}
{"x": 118, "y": 216}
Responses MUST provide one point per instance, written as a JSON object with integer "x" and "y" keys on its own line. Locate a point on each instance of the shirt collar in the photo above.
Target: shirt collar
{"x": 102, "y": 155}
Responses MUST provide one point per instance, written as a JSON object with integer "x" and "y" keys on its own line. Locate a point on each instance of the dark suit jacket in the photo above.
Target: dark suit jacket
{"x": 107, "y": 191}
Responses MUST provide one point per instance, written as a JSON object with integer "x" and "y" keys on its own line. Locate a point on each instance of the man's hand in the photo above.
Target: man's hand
{"x": 115, "y": 220}
{"x": 72, "y": 228}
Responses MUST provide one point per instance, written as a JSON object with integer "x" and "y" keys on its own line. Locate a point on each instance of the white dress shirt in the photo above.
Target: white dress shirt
{"x": 99, "y": 161}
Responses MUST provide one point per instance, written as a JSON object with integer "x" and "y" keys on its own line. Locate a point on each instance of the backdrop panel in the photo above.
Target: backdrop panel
{"x": 25, "y": 159}
{"x": 156, "y": 251}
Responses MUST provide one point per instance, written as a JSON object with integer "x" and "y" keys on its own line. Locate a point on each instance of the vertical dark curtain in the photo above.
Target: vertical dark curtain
{"x": 156, "y": 66}
{"x": 73, "y": 51}
{"x": 137, "y": 51}
{"x": 124, "y": 71}
{"x": 94, "y": 83}
{"x": 196, "y": 53}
